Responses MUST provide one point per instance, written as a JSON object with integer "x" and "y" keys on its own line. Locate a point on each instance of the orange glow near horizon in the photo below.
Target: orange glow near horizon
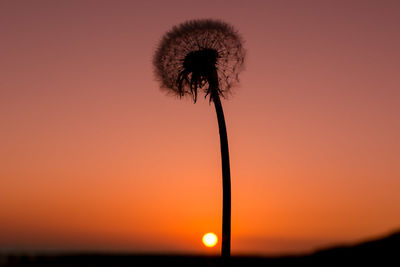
{"x": 95, "y": 157}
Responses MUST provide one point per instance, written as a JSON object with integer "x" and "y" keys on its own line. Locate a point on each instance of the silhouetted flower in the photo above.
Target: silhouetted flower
{"x": 206, "y": 55}
{"x": 194, "y": 53}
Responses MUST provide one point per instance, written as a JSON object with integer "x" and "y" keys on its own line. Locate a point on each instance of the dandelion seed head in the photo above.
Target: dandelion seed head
{"x": 191, "y": 52}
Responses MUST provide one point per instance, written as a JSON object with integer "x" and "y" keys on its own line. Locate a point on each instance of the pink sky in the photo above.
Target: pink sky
{"x": 94, "y": 156}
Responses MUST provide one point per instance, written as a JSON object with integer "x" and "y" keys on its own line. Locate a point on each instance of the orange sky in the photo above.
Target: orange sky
{"x": 93, "y": 156}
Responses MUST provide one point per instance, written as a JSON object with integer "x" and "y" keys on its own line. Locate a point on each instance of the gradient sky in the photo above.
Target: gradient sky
{"x": 95, "y": 157}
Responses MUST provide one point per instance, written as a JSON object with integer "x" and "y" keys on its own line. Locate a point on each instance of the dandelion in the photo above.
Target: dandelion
{"x": 204, "y": 55}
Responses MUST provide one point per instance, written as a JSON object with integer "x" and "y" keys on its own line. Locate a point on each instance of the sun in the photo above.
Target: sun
{"x": 210, "y": 240}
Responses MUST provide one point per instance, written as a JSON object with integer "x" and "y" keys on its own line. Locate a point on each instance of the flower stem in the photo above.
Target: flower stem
{"x": 226, "y": 178}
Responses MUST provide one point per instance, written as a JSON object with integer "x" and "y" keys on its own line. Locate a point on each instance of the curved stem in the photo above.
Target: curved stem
{"x": 226, "y": 179}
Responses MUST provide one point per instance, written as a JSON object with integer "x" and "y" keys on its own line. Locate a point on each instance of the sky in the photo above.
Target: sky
{"x": 94, "y": 156}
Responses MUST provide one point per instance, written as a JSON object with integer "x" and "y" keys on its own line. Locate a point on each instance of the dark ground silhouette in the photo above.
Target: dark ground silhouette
{"x": 380, "y": 252}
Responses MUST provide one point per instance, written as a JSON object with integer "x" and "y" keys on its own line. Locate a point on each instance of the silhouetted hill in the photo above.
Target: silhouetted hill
{"x": 379, "y": 252}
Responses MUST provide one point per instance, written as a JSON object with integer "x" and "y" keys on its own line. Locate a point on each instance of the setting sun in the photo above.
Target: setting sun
{"x": 210, "y": 240}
